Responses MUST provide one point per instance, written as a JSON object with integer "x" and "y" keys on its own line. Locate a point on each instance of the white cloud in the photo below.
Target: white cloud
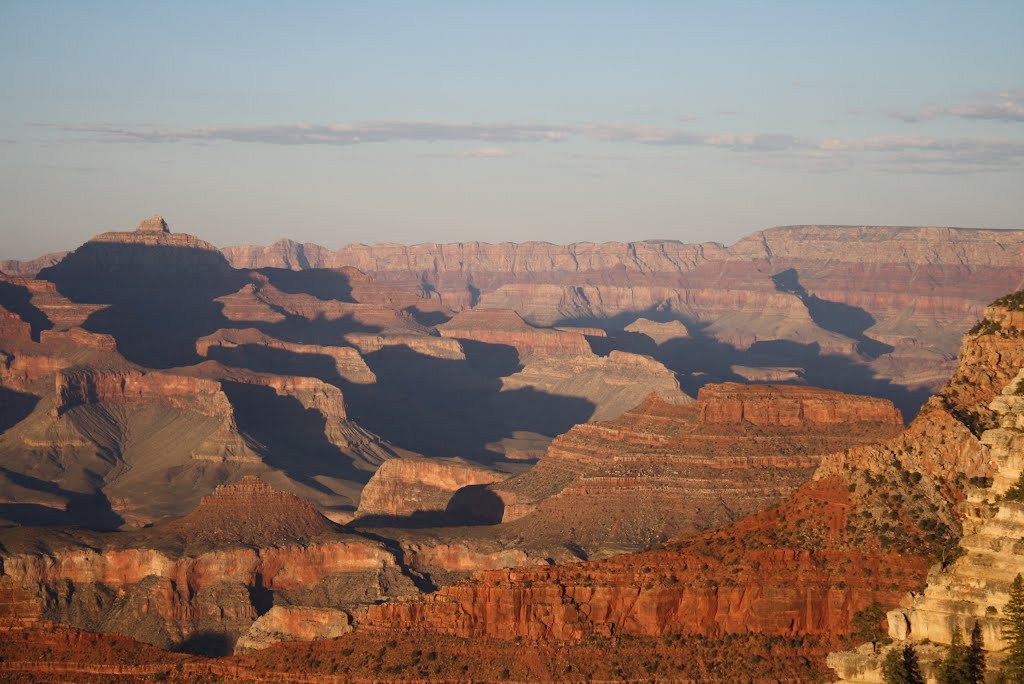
{"x": 1006, "y": 106}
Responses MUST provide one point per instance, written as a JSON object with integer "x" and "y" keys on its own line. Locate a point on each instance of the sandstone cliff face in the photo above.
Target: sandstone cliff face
{"x": 13, "y": 329}
{"x": 83, "y": 386}
{"x": 781, "y": 405}
{"x": 651, "y": 594}
{"x": 990, "y": 357}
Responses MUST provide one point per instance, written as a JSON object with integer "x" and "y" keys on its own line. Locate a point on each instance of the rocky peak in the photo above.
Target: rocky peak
{"x": 154, "y": 224}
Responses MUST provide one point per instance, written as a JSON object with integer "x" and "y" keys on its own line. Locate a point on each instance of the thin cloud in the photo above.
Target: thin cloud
{"x": 907, "y": 152}
{"x": 329, "y": 134}
{"x": 910, "y": 153}
{"x": 812, "y": 83}
{"x": 479, "y": 153}
{"x": 1006, "y": 106}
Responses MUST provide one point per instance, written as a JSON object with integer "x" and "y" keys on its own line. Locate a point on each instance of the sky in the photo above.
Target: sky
{"x": 341, "y": 122}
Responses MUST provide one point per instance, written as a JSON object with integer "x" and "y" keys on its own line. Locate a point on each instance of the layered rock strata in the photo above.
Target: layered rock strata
{"x": 217, "y": 571}
{"x": 663, "y": 469}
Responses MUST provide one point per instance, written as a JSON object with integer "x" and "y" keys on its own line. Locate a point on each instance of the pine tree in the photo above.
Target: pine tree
{"x": 867, "y": 624}
{"x": 892, "y": 668}
{"x": 976, "y": 655}
{"x": 1013, "y": 631}
{"x": 1016, "y": 492}
{"x": 902, "y": 667}
{"x": 955, "y": 669}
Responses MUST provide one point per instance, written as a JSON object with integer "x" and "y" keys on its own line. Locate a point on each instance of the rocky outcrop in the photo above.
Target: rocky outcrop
{"x": 40, "y": 300}
{"x": 84, "y": 386}
{"x": 24, "y": 362}
{"x": 657, "y": 331}
{"x": 506, "y": 327}
{"x": 425, "y": 345}
{"x": 365, "y": 448}
{"x": 768, "y": 375}
{"x": 612, "y": 384}
{"x": 347, "y": 362}
{"x": 405, "y": 487}
{"x": 294, "y": 623}
{"x": 657, "y": 593}
{"x": 786, "y": 405}
{"x": 990, "y": 357}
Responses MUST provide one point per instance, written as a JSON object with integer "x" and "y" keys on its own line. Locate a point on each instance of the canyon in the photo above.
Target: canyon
{"x": 496, "y": 461}
{"x": 779, "y": 586}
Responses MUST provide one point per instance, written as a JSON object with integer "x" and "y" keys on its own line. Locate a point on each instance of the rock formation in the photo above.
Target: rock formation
{"x": 787, "y": 406}
{"x": 866, "y": 528}
{"x": 506, "y": 327}
{"x": 294, "y": 623}
{"x": 249, "y": 342}
{"x": 612, "y": 383}
{"x": 659, "y": 332}
{"x": 246, "y": 548}
{"x": 30, "y": 267}
{"x": 974, "y": 587}
{"x": 405, "y": 487}
{"x": 910, "y": 288}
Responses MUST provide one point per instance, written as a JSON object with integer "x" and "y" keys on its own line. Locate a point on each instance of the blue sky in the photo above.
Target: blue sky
{"x": 562, "y": 121}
